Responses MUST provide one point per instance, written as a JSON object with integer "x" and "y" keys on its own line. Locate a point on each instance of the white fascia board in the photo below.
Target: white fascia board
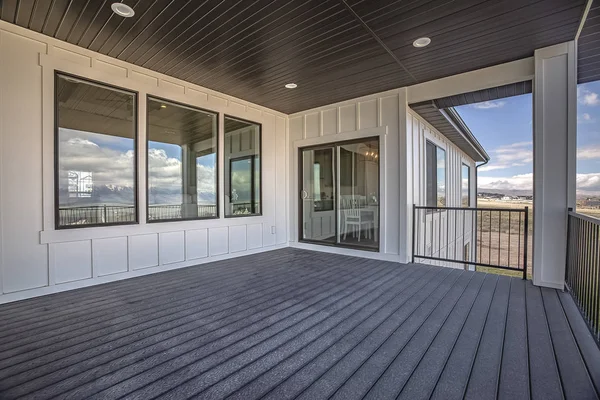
{"x": 485, "y": 78}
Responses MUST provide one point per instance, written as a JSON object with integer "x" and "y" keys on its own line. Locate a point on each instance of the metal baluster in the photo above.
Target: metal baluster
{"x": 509, "y": 235}
{"x": 490, "y": 240}
{"x": 526, "y": 241}
{"x": 499, "y": 235}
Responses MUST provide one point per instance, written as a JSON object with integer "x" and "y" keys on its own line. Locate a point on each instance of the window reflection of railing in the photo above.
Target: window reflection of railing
{"x": 244, "y": 208}
{"x": 92, "y": 215}
{"x": 107, "y": 214}
{"x": 174, "y": 211}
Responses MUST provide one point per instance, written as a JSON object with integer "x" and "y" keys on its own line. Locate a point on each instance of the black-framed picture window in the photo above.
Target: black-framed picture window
{"x": 465, "y": 185}
{"x": 243, "y": 166}
{"x": 95, "y": 154}
{"x": 182, "y": 162}
{"x": 435, "y": 175}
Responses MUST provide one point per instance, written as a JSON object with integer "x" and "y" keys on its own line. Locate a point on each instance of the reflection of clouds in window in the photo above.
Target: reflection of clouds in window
{"x": 111, "y": 162}
{"x": 241, "y": 177}
{"x": 206, "y": 179}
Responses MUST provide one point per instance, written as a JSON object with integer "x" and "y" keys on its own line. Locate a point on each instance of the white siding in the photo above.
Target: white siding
{"x": 449, "y": 241}
{"x": 376, "y": 115}
{"x": 35, "y": 259}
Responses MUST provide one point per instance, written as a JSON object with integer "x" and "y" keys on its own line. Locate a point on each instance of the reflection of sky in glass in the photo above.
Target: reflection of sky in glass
{"x": 441, "y": 171}
{"x": 240, "y": 179}
{"x": 109, "y": 159}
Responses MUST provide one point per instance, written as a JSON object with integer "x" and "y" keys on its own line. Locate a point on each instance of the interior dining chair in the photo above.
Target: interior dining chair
{"x": 353, "y": 217}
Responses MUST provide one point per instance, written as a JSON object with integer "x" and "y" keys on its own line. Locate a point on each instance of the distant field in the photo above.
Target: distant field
{"x": 592, "y": 212}
{"x": 499, "y": 241}
{"x": 493, "y": 245}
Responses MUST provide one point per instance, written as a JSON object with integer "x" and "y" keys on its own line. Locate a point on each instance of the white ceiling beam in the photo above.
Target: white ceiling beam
{"x": 485, "y": 78}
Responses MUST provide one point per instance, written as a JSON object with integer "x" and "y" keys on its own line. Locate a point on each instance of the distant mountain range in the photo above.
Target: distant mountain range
{"x": 513, "y": 193}
{"x": 111, "y": 194}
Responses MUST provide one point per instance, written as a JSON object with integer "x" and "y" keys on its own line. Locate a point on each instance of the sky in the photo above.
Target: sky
{"x": 504, "y": 128}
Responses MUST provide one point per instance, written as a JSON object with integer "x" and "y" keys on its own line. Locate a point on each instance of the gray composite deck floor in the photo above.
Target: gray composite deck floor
{"x": 298, "y": 324}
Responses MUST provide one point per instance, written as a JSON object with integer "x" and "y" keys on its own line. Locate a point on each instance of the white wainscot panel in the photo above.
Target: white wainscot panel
{"x": 110, "y": 255}
{"x": 312, "y": 125}
{"x": 143, "y": 251}
{"x": 218, "y": 239}
{"x": 237, "y": 238}
{"x": 348, "y": 118}
{"x": 368, "y": 114}
{"x": 196, "y": 244}
{"x": 172, "y": 247}
{"x": 72, "y": 261}
{"x": 255, "y": 236}
{"x": 329, "y": 122}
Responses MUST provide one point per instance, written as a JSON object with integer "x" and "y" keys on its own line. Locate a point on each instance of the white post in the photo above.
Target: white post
{"x": 554, "y": 153}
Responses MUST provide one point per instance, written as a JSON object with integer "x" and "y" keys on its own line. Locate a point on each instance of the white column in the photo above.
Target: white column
{"x": 405, "y": 201}
{"x": 554, "y": 153}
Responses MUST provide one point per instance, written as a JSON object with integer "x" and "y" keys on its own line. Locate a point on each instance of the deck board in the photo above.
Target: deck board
{"x": 299, "y": 324}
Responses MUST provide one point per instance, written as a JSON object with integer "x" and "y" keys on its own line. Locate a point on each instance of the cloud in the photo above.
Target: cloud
{"x": 517, "y": 182}
{"x": 486, "y": 105}
{"x": 587, "y": 184}
{"x": 587, "y": 97}
{"x": 513, "y": 155}
{"x": 113, "y": 165}
{"x": 585, "y": 118}
{"x": 588, "y": 152}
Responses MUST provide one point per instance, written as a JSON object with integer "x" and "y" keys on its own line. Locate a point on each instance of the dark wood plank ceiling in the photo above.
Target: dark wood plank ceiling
{"x": 588, "y": 52}
{"x": 333, "y": 51}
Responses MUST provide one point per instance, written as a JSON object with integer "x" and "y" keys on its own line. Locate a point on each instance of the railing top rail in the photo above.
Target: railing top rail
{"x": 471, "y": 208}
{"x": 585, "y": 217}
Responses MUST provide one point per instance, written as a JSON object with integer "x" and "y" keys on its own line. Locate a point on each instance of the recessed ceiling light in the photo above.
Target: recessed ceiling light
{"x": 163, "y": 106}
{"x": 291, "y": 86}
{"x": 422, "y": 42}
{"x": 122, "y": 10}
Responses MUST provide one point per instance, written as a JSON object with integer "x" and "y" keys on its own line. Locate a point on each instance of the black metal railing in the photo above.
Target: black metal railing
{"x": 582, "y": 275}
{"x": 484, "y": 237}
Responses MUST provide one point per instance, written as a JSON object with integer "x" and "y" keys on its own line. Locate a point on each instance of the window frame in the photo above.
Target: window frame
{"x": 437, "y": 147}
{"x": 261, "y": 160}
{"x": 136, "y": 97}
{"x": 179, "y": 104}
{"x": 464, "y": 164}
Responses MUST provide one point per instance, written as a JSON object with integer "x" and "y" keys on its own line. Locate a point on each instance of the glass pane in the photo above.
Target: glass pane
{"x": 466, "y": 186}
{"x": 242, "y": 168}
{"x": 441, "y": 177}
{"x": 431, "y": 174}
{"x": 318, "y": 195}
{"x": 95, "y": 153}
{"x": 359, "y": 194}
{"x": 182, "y": 162}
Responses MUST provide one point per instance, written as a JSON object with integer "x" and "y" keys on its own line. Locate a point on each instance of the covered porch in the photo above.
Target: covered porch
{"x": 295, "y": 323}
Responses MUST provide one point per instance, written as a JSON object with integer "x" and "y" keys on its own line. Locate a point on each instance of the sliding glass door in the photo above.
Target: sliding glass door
{"x": 340, "y": 194}
{"x": 318, "y": 195}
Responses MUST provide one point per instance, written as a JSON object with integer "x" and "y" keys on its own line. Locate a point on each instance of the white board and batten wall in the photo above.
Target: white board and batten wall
{"x": 365, "y": 117}
{"x": 444, "y": 244}
{"x": 35, "y": 258}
